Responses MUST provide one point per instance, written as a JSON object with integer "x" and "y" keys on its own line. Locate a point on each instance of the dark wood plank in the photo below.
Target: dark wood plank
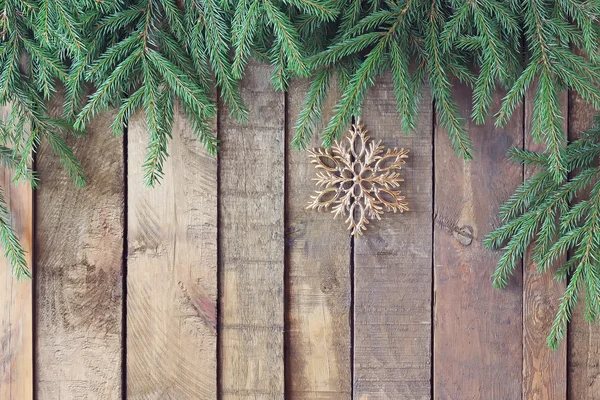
{"x": 478, "y": 329}
{"x": 544, "y": 370}
{"x": 79, "y": 249}
{"x": 251, "y": 265}
{"x": 392, "y": 267}
{"x": 16, "y": 303}
{"x": 172, "y": 269}
{"x": 583, "y": 337}
{"x": 318, "y": 344}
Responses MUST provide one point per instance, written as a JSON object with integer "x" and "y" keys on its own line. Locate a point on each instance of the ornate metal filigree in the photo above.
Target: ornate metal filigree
{"x": 358, "y": 179}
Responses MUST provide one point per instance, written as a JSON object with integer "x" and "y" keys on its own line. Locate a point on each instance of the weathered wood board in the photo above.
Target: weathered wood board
{"x": 172, "y": 269}
{"x": 78, "y": 253}
{"x": 251, "y": 244}
{"x": 478, "y": 330}
{"x": 544, "y": 370}
{"x": 16, "y": 297}
{"x": 318, "y": 362}
{"x": 583, "y": 338}
{"x": 392, "y": 266}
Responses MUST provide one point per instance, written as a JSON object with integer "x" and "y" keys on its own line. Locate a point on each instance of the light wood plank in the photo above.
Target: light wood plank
{"x": 16, "y": 303}
{"x": 583, "y": 337}
{"x": 172, "y": 269}
{"x": 318, "y": 349}
{"x": 478, "y": 329}
{"x": 79, "y": 249}
{"x": 544, "y": 370}
{"x": 252, "y": 164}
{"x": 392, "y": 267}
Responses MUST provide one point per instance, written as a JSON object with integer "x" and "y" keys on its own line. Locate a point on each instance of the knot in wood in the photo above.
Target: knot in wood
{"x": 464, "y": 235}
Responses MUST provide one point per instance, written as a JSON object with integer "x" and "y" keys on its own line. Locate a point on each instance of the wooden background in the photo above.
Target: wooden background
{"x": 219, "y": 284}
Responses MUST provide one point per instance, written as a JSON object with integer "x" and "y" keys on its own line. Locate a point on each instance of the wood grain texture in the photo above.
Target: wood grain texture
{"x": 392, "y": 267}
{"x": 79, "y": 248}
{"x": 583, "y": 337}
{"x": 172, "y": 269}
{"x": 544, "y": 370}
{"x": 478, "y": 329}
{"x": 16, "y": 302}
{"x": 318, "y": 362}
{"x": 252, "y": 164}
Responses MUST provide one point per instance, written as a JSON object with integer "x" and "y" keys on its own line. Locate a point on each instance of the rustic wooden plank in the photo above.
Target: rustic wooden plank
{"x": 544, "y": 370}
{"x": 16, "y": 303}
{"x": 79, "y": 249}
{"x": 392, "y": 267}
{"x": 478, "y": 329}
{"x": 172, "y": 269}
{"x": 318, "y": 362}
{"x": 251, "y": 266}
{"x": 583, "y": 338}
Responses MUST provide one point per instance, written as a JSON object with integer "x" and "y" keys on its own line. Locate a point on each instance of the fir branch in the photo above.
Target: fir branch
{"x": 446, "y": 107}
{"x": 13, "y": 252}
{"x": 155, "y": 119}
{"x": 128, "y": 107}
{"x": 312, "y": 107}
{"x": 244, "y": 31}
{"x": 325, "y": 10}
{"x": 287, "y": 36}
{"x": 216, "y": 32}
{"x": 545, "y": 209}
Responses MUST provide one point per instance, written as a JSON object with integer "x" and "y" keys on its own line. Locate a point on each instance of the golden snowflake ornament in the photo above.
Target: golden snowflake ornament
{"x": 358, "y": 179}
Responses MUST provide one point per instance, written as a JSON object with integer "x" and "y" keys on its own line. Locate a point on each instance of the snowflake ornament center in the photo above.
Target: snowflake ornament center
{"x": 358, "y": 179}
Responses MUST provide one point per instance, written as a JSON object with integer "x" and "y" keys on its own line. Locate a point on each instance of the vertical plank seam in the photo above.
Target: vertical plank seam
{"x": 124, "y": 266}
{"x": 218, "y": 342}
{"x": 523, "y": 266}
{"x": 351, "y": 310}
{"x": 286, "y": 270}
{"x": 432, "y": 298}
{"x": 351, "y": 315}
{"x": 34, "y": 289}
{"x": 13, "y": 221}
{"x": 568, "y": 335}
